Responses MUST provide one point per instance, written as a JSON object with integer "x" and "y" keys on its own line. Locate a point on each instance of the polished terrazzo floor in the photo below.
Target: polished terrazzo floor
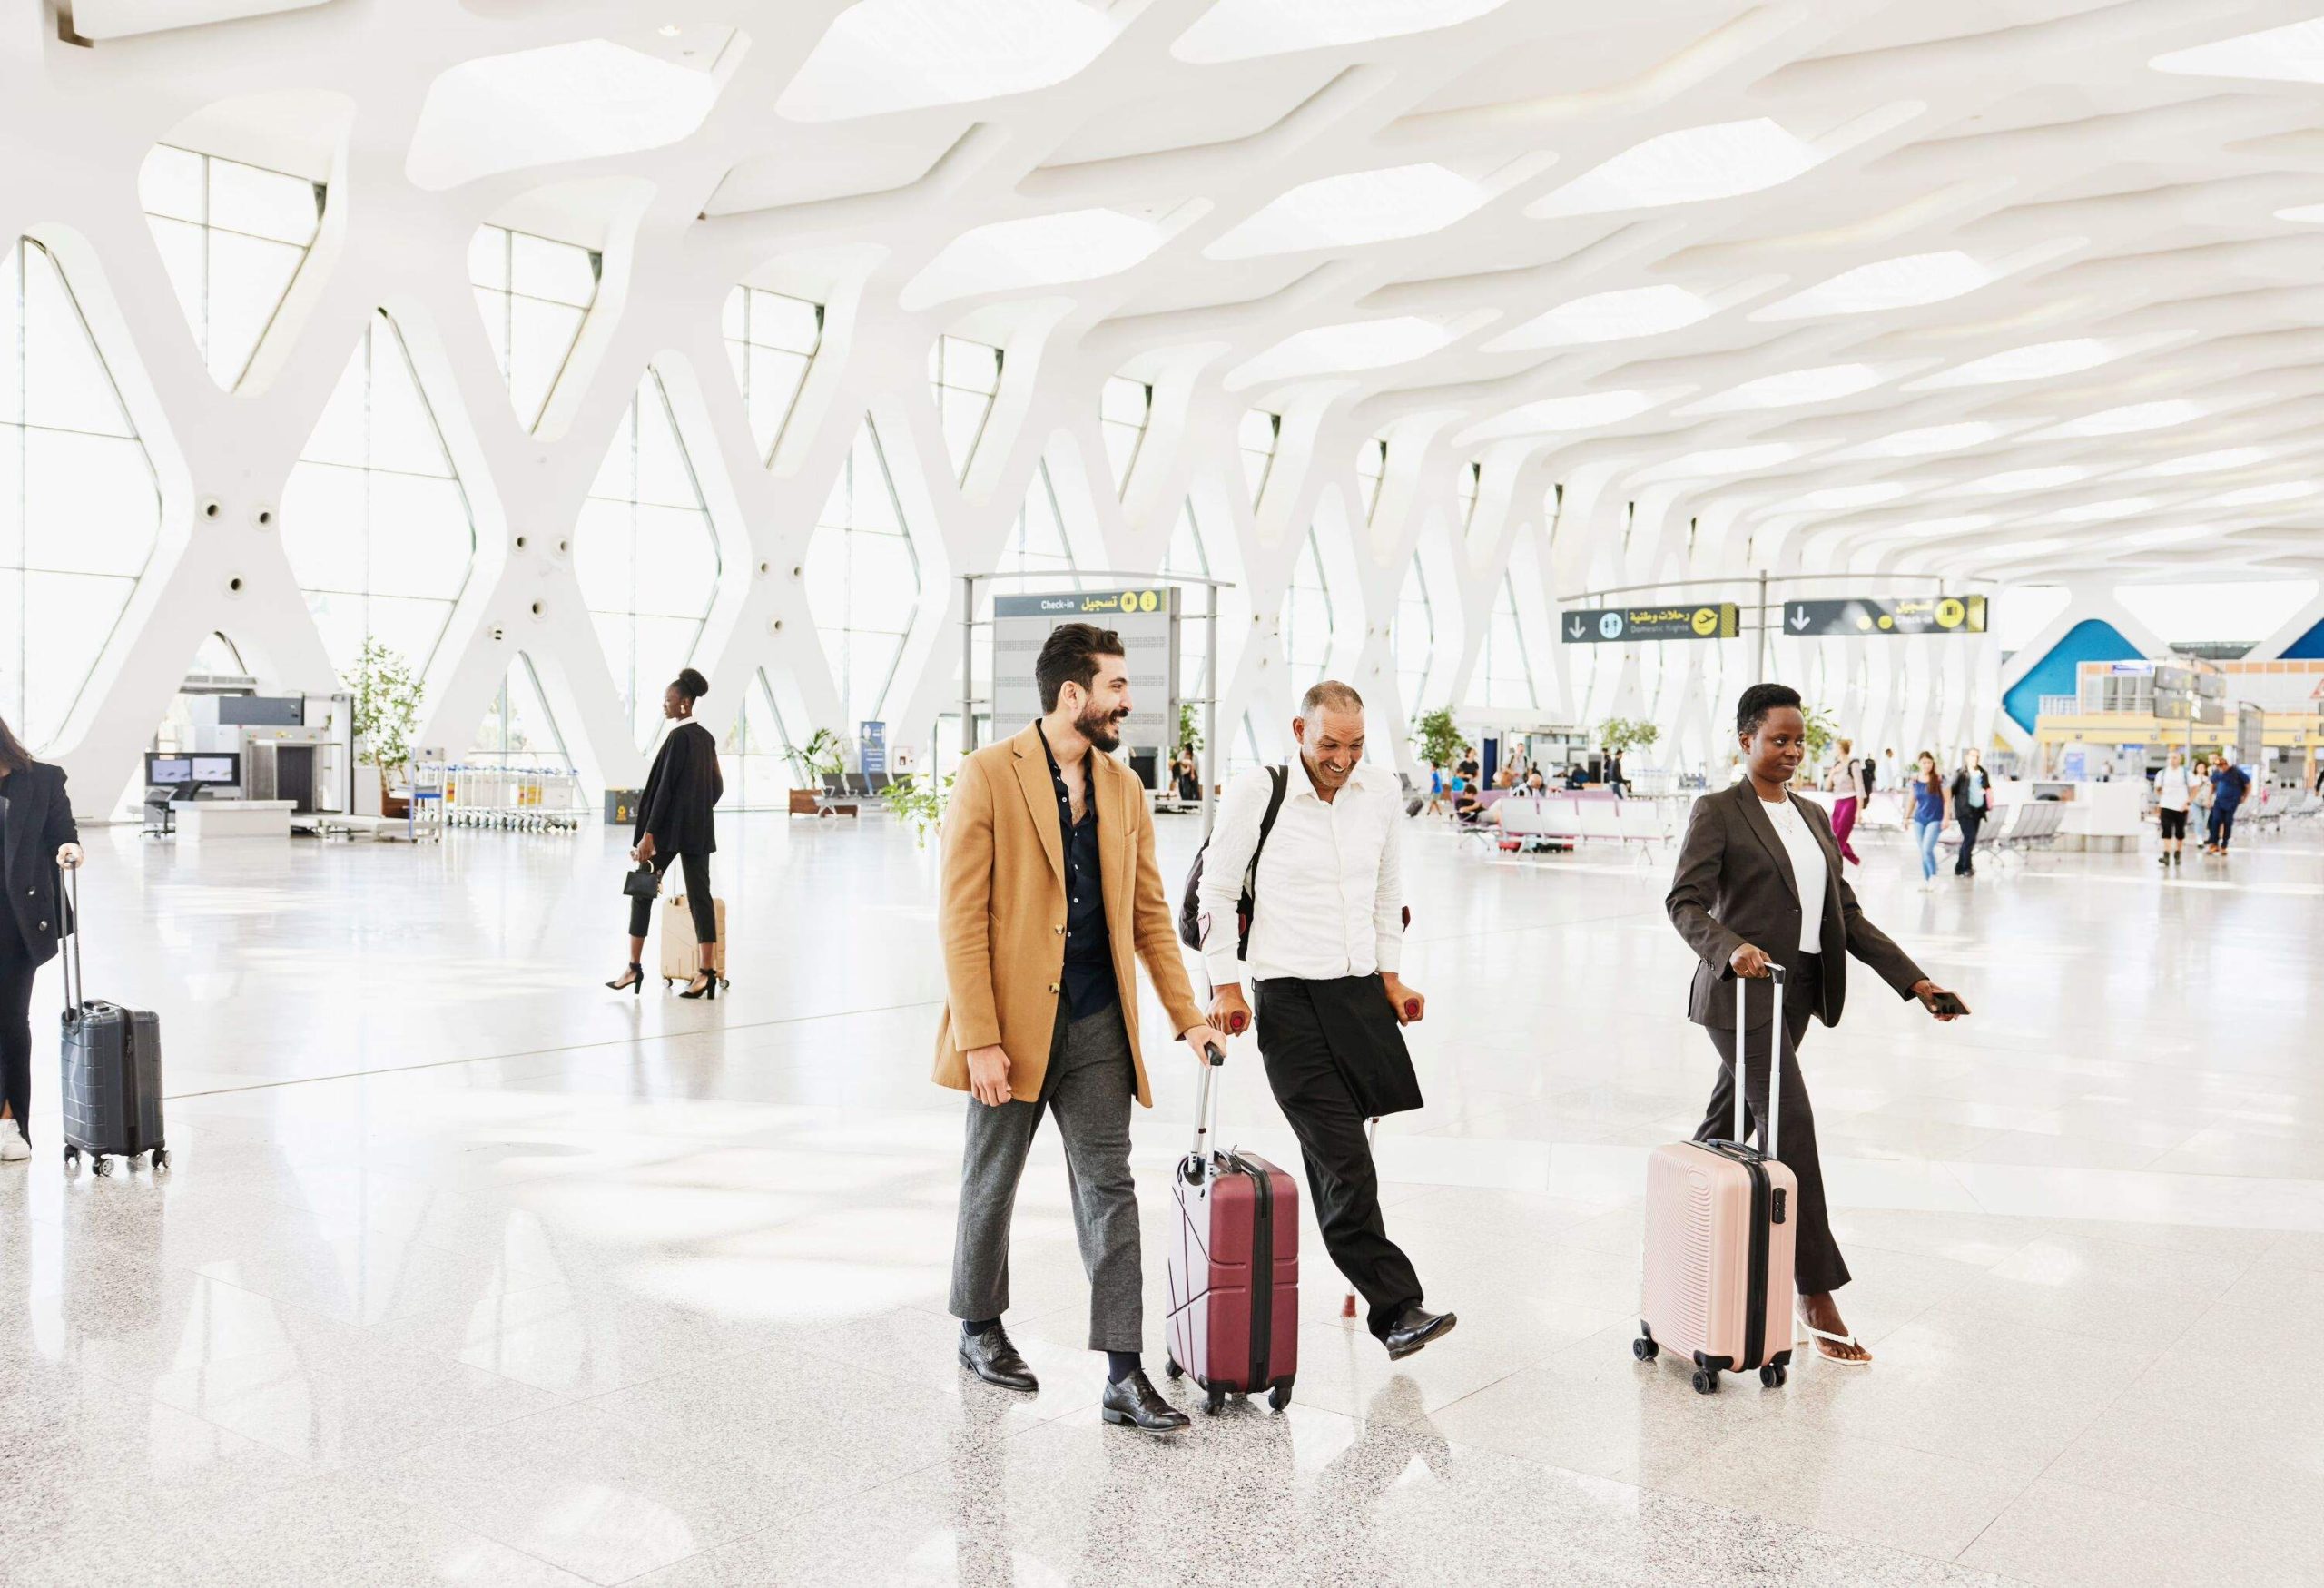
{"x": 469, "y": 1271}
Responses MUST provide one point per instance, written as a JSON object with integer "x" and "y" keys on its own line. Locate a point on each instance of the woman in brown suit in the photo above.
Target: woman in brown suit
{"x": 1759, "y": 882}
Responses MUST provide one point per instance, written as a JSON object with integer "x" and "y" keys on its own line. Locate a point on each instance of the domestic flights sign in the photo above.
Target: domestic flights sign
{"x": 1618, "y": 624}
{"x": 1866, "y": 615}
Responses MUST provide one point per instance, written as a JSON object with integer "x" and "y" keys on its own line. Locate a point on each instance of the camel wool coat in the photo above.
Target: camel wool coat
{"x": 1001, "y": 912}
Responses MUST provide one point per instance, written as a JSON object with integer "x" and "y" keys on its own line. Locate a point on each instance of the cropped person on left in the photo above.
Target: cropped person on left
{"x": 675, "y": 822}
{"x": 32, "y": 803}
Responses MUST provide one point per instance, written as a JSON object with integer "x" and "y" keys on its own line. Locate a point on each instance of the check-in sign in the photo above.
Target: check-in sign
{"x": 1871, "y": 615}
{"x": 1601, "y": 625}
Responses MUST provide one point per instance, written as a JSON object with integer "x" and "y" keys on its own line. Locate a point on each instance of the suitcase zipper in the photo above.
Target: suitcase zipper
{"x": 1262, "y": 1274}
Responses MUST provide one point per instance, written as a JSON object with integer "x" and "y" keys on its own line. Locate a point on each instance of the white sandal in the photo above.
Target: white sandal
{"x": 1847, "y": 1339}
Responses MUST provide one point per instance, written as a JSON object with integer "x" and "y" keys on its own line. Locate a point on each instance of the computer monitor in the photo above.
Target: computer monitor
{"x": 216, "y": 770}
{"x": 172, "y": 770}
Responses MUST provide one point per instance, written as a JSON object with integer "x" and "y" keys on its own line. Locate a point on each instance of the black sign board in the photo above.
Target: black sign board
{"x": 1867, "y": 615}
{"x": 1598, "y": 626}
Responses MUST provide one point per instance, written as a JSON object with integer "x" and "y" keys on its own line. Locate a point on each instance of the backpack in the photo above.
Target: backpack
{"x": 1190, "y": 905}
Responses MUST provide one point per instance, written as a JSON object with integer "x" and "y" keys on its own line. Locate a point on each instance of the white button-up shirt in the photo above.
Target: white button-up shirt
{"x": 1330, "y": 890}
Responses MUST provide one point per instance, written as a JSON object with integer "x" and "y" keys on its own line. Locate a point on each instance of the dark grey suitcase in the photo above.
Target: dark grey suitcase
{"x": 112, "y": 1070}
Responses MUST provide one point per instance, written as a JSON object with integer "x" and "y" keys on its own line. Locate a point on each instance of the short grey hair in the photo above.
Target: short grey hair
{"x": 1330, "y": 693}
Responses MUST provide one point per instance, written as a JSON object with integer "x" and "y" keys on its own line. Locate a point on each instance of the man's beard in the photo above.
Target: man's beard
{"x": 1100, "y": 728}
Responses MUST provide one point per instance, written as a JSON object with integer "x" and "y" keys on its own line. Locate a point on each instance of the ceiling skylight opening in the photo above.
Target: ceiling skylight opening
{"x": 2283, "y": 491}
{"x": 1869, "y": 495}
{"x": 2029, "y": 364}
{"x": 1552, "y": 415}
{"x": 879, "y": 56}
{"x": 2206, "y": 463}
{"x": 584, "y": 100}
{"x": 1722, "y": 461}
{"x": 2309, "y": 212}
{"x": 1607, "y": 317}
{"x": 2020, "y": 480}
{"x": 1932, "y": 438}
{"x": 1891, "y": 283}
{"x": 1684, "y": 167}
{"x": 2180, "y": 534}
{"x": 1332, "y": 349}
{"x": 2101, "y": 512}
{"x": 2128, "y": 420}
{"x": 1822, "y": 384}
{"x": 2280, "y": 54}
{"x": 1040, "y": 251}
{"x": 1241, "y": 30}
{"x": 1355, "y": 209}
{"x": 2026, "y": 549}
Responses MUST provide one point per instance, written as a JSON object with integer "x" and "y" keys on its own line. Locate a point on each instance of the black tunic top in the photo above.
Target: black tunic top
{"x": 676, "y": 806}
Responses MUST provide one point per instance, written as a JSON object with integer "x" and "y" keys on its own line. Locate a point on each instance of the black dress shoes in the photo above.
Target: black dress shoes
{"x": 1415, "y": 1327}
{"x": 1135, "y": 1402}
{"x": 993, "y": 1358}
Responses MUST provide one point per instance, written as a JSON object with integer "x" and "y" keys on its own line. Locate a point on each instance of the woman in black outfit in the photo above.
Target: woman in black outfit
{"x": 37, "y": 834}
{"x": 675, "y": 822}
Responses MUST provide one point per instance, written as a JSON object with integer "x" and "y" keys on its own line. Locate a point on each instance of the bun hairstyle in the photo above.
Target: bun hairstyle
{"x": 691, "y": 683}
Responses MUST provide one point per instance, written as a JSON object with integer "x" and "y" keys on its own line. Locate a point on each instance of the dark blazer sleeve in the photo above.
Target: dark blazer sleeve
{"x": 59, "y": 828}
{"x": 1694, "y": 889}
{"x": 653, "y": 801}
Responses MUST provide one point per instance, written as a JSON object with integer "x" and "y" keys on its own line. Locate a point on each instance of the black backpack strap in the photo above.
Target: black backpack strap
{"x": 1248, "y": 905}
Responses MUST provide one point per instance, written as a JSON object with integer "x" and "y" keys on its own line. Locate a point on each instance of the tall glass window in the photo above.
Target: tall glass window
{"x": 374, "y": 521}
{"x": 1123, "y": 408}
{"x": 1187, "y": 557}
{"x": 751, "y": 756}
{"x": 1307, "y": 618}
{"x": 966, "y": 375}
{"x": 534, "y": 292}
{"x": 772, "y": 340}
{"x": 1415, "y": 637}
{"x": 79, "y": 508}
{"x": 1504, "y": 670}
{"x": 1038, "y": 547}
{"x": 646, "y": 557}
{"x": 518, "y": 729}
{"x": 862, "y": 581}
{"x": 1257, "y": 437}
{"x": 232, "y": 238}
{"x": 1370, "y": 467}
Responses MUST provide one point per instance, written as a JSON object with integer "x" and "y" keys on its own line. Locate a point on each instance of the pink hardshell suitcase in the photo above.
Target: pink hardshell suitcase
{"x": 1233, "y": 1268}
{"x": 1720, "y": 1239}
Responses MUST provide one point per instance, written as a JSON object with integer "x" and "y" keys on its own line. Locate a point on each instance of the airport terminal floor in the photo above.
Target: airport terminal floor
{"x": 468, "y": 1270}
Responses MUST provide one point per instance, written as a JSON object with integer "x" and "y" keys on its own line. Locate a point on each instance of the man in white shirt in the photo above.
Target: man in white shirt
{"x": 1326, "y": 939}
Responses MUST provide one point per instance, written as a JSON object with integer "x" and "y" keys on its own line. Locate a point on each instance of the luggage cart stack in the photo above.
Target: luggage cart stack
{"x": 521, "y": 799}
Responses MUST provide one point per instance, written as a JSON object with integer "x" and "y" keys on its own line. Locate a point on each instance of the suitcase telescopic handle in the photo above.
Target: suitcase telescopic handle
{"x": 1777, "y": 1031}
{"x": 69, "y": 963}
{"x": 1204, "y": 1100}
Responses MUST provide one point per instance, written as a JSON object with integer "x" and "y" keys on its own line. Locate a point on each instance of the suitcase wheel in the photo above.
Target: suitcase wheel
{"x": 1706, "y": 1381}
{"x": 99, "y": 1164}
{"x": 1773, "y": 1375}
{"x": 72, "y": 1158}
{"x": 1214, "y": 1401}
{"x": 161, "y": 1158}
{"x": 1645, "y": 1349}
{"x": 1170, "y": 1368}
{"x": 1280, "y": 1396}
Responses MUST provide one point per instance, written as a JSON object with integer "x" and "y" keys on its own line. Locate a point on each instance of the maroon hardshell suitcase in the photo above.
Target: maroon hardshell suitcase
{"x": 1234, "y": 1265}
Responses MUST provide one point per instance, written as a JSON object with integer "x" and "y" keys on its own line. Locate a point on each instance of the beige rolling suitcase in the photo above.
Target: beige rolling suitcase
{"x": 1720, "y": 1239}
{"x": 680, "y": 949}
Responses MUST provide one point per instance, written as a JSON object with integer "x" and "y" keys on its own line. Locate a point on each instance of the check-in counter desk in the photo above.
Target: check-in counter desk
{"x": 208, "y": 820}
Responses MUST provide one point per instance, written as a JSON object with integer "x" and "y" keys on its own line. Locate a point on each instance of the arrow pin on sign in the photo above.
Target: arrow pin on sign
{"x": 1799, "y": 618}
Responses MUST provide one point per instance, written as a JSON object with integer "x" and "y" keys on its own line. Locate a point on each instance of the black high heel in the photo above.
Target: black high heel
{"x": 636, "y": 974}
{"x": 709, "y": 987}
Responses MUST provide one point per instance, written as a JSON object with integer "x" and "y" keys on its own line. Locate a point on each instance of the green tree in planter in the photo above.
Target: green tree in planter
{"x": 1823, "y": 732}
{"x": 1189, "y": 728}
{"x": 1622, "y": 735}
{"x": 918, "y": 803}
{"x": 387, "y": 706}
{"x": 819, "y": 758}
{"x": 1438, "y": 738}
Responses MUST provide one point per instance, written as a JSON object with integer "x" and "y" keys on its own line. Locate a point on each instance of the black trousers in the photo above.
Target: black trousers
{"x": 1971, "y": 820}
{"x": 695, "y": 870}
{"x": 1313, "y": 1092}
{"x": 16, "y": 973}
{"x": 1816, "y": 1266}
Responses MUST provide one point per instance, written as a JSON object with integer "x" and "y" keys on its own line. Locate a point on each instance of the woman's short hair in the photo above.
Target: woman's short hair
{"x": 1758, "y": 700}
{"x": 690, "y": 684}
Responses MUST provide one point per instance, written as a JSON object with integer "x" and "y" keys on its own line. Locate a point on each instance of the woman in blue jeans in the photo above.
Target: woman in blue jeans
{"x": 1928, "y": 790}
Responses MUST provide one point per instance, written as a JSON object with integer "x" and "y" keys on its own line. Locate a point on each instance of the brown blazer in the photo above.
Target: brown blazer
{"x": 1001, "y": 915}
{"x": 1735, "y": 885}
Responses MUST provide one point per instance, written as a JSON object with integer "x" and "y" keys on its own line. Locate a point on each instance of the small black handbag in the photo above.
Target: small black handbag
{"x": 644, "y": 883}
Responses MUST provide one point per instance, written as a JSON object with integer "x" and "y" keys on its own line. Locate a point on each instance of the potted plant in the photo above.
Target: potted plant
{"x": 1438, "y": 738}
{"x": 1823, "y": 732}
{"x": 810, "y": 763}
{"x": 918, "y": 803}
{"x": 1189, "y": 729}
{"x": 385, "y": 715}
